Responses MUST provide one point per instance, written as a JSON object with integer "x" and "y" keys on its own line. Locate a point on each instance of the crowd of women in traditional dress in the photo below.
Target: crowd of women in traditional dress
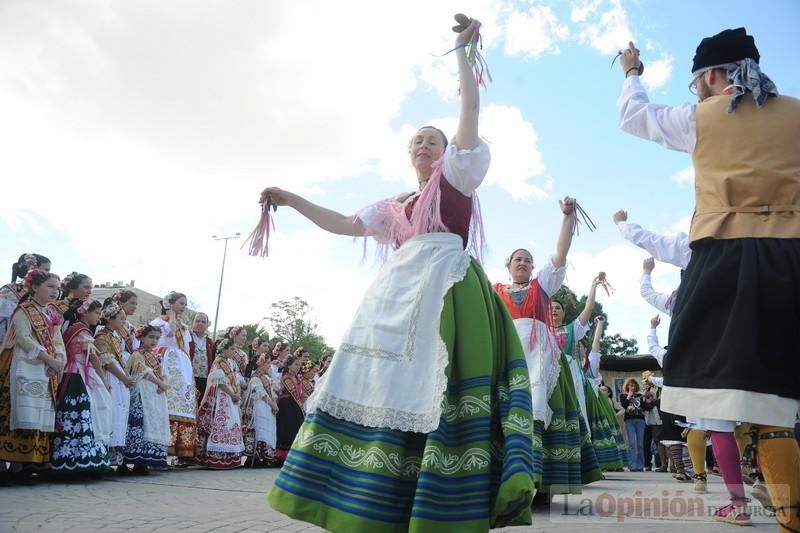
{"x": 84, "y": 390}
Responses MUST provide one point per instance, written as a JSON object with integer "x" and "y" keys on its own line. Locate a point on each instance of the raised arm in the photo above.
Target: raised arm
{"x": 652, "y": 342}
{"x": 672, "y": 127}
{"x": 467, "y": 131}
{"x": 659, "y": 300}
{"x": 565, "y": 235}
{"x": 326, "y": 219}
{"x": 586, "y": 314}
{"x": 594, "y": 354}
{"x": 667, "y": 249}
{"x": 599, "y": 326}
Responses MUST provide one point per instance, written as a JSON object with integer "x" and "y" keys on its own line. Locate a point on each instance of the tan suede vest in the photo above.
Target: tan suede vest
{"x": 747, "y": 169}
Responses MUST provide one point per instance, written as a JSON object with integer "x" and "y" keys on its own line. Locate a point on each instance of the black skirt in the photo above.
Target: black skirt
{"x": 736, "y": 321}
{"x": 288, "y": 421}
{"x": 671, "y": 427}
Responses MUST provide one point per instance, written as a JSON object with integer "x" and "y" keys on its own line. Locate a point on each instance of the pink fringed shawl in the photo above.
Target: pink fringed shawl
{"x": 393, "y": 225}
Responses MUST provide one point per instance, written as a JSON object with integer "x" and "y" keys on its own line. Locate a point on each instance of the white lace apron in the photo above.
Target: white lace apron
{"x": 543, "y": 365}
{"x": 389, "y": 371}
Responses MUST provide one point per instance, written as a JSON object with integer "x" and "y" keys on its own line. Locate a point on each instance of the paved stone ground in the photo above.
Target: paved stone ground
{"x": 196, "y": 500}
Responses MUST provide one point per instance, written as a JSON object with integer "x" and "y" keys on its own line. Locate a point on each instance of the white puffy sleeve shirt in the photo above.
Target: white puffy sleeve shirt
{"x": 667, "y": 249}
{"x": 674, "y": 127}
{"x": 463, "y": 168}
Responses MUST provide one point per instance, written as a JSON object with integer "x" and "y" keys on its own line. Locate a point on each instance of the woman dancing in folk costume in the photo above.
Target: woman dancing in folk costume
{"x": 148, "y": 434}
{"x": 219, "y": 422}
{"x": 291, "y": 407}
{"x": 429, "y": 324}
{"x": 11, "y": 293}
{"x": 258, "y": 416}
{"x": 32, "y": 355}
{"x": 201, "y": 352}
{"x": 726, "y": 364}
{"x": 84, "y": 410}
{"x": 608, "y": 460}
{"x": 75, "y": 289}
{"x": 108, "y": 343}
{"x": 173, "y": 347}
{"x": 563, "y": 458}
{"x": 603, "y": 427}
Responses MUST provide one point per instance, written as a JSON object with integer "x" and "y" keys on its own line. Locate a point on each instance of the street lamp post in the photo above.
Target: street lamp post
{"x": 221, "y": 276}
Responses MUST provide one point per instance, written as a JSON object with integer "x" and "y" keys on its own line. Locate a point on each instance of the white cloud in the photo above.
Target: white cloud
{"x": 517, "y": 165}
{"x": 606, "y": 30}
{"x": 516, "y": 159}
{"x": 581, "y": 13}
{"x": 534, "y": 32}
{"x": 684, "y": 177}
{"x": 251, "y": 89}
{"x": 149, "y": 126}
{"x": 629, "y": 315}
{"x": 658, "y": 73}
{"x": 681, "y": 226}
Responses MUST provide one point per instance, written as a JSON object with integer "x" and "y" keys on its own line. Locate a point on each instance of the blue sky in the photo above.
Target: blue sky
{"x": 135, "y": 132}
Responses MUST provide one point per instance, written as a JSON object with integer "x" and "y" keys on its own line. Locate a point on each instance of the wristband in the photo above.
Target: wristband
{"x": 639, "y": 69}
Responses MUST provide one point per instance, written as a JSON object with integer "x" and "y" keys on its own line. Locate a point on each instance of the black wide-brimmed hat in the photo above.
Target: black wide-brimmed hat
{"x": 727, "y": 46}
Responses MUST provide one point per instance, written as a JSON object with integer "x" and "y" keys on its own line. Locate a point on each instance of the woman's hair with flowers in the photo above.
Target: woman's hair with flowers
{"x": 34, "y": 278}
{"x": 110, "y": 312}
{"x": 169, "y": 299}
{"x": 71, "y": 282}
{"x": 223, "y": 344}
{"x": 26, "y": 263}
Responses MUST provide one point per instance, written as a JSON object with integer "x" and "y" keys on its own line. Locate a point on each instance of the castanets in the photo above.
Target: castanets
{"x": 463, "y": 22}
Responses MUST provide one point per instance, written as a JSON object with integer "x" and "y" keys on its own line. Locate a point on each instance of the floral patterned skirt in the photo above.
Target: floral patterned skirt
{"x": 219, "y": 430}
{"x": 74, "y": 446}
{"x": 138, "y": 450}
{"x": 257, "y": 450}
{"x": 184, "y": 438}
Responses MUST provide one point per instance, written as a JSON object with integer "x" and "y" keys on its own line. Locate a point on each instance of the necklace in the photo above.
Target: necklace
{"x": 519, "y": 286}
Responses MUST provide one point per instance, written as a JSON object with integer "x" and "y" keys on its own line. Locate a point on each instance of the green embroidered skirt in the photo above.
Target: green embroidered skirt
{"x": 474, "y": 472}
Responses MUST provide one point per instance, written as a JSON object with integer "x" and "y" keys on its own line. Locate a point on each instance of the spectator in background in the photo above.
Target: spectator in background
{"x": 258, "y": 347}
{"x": 324, "y": 362}
{"x": 652, "y": 420}
{"x": 201, "y": 352}
{"x": 633, "y": 402}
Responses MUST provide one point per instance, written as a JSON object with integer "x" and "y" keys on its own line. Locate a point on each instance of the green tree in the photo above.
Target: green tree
{"x": 610, "y": 344}
{"x": 618, "y": 345}
{"x": 255, "y": 330}
{"x": 290, "y": 321}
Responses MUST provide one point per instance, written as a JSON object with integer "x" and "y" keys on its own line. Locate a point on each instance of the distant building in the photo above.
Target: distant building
{"x": 149, "y": 306}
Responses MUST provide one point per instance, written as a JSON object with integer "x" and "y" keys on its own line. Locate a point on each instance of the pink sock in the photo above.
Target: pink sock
{"x": 727, "y": 455}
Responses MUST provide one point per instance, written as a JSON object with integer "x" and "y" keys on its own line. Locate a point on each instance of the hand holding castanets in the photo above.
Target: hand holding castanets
{"x": 465, "y": 29}
{"x": 629, "y": 60}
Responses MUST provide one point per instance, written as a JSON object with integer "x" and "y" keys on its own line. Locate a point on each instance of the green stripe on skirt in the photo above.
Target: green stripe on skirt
{"x": 603, "y": 438}
{"x": 568, "y": 457}
{"x": 608, "y": 412}
{"x": 475, "y": 471}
